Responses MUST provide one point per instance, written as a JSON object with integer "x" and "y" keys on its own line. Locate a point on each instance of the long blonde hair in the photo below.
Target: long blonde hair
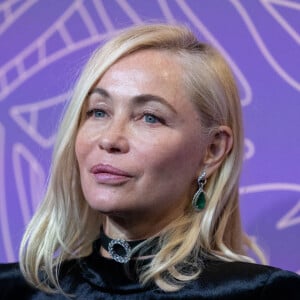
{"x": 64, "y": 226}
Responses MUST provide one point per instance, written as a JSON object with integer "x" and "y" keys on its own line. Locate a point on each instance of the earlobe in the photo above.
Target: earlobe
{"x": 218, "y": 148}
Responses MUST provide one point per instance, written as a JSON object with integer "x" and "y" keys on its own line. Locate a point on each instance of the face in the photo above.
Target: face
{"x": 140, "y": 146}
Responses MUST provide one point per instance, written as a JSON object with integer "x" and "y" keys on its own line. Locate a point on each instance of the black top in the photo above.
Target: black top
{"x": 96, "y": 277}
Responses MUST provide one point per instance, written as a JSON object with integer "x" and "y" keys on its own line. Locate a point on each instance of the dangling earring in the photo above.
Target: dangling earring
{"x": 199, "y": 197}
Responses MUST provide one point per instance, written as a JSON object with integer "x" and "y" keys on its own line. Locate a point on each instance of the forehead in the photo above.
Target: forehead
{"x": 154, "y": 57}
{"x": 146, "y": 71}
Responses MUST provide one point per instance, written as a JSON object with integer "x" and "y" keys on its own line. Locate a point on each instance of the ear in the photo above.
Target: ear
{"x": 219, "y": 146}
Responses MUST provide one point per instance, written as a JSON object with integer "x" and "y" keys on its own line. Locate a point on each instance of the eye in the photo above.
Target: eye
{"x": 150, "y": 118}
{"x": 96, "y": 113}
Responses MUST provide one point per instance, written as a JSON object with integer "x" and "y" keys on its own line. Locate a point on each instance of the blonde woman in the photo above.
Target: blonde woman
{"x": 142, "y": 200}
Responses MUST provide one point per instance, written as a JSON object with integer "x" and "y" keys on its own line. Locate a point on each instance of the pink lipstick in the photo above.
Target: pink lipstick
{"x": 107, "y": 174}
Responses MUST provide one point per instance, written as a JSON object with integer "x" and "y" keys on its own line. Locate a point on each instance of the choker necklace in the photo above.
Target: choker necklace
{"x": 120, "y": 250}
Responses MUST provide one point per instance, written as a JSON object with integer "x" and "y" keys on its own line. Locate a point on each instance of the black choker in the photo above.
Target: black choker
{"x": 119, "y": 249}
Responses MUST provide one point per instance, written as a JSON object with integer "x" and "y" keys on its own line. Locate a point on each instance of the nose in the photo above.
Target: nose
{"x": 113, "y": 138}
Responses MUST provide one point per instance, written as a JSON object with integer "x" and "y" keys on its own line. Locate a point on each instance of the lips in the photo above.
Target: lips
{"x": 108, "y": 174}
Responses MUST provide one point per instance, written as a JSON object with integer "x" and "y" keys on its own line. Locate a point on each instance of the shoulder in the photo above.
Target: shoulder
{"x": 12, "y": 283}
{"x": 9, "y": 271}
{"x": 262, "y": 280}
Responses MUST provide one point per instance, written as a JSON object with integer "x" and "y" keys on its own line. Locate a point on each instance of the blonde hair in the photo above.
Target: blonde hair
{"x": 64, "y": 226}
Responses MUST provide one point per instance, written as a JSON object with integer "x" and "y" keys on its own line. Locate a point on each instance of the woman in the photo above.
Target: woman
{"x": 142, "y": 201}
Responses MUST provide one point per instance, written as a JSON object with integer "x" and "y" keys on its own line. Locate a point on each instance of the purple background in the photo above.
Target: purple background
{"x": 43, "y": 45}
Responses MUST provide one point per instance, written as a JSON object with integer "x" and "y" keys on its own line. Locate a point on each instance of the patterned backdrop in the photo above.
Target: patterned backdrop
{"x": 43, "y": 45}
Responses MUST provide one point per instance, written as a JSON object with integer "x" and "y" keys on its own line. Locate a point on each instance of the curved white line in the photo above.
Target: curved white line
{"x": 32, "y": 109}
{"x": 36, "y": 45}
{"x": 19, "y": 152}
{"x": 166, "y": 11}
{"x": 286, "y": 3}
{"x": 275, "y": 186}
{"x": 19, "y": 183}
{"x": 103, "y": 15}
{"x": 11, "y": 18}
{"x": 262, "y": 47}
{"x": 289, "y": 219}
{"x": 6, "y": 236}
{"x": 88, "y": 21}
{"x": 250, "y": 149}
{"x": 130, "y": 11}
{"x": 47, "y": 61}
{"x": 290, "y": 30}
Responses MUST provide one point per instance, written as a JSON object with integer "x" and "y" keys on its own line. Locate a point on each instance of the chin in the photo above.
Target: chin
{"x": 104, "y": 207}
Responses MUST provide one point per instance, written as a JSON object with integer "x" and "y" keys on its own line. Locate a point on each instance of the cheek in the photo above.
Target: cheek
{"x": 82, "y": 145}
{"x": 183, "y": 155}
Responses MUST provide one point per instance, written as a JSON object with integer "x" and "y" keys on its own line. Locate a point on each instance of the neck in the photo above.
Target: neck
{"x": 133, "y": 228}
{"x": 118, "y": 249}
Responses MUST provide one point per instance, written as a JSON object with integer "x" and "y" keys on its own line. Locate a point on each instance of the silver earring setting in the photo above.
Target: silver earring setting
{"x": 199, "y": 200}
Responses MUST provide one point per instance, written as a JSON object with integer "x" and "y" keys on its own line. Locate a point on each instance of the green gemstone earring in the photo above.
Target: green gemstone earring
{"x": 199, "y": 197}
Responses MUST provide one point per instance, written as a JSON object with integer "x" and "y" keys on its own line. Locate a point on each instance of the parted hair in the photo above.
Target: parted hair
{"x": 64, "y": 226}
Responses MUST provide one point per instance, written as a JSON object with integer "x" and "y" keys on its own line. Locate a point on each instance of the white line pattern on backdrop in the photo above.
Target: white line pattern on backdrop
{"x": 263, "y": 47}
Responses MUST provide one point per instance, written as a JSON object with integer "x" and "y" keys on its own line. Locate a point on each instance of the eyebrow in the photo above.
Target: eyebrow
{"x": 100, "y": 91}
{"x": 139, "y": 99}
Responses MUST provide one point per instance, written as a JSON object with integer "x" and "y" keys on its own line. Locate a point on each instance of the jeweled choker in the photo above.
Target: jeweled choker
{"x": 120, "y": 250}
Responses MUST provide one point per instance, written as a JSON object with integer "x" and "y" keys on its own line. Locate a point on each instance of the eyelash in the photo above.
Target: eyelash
{"x": 91, "y": 113}
{"x": 158, "y": 119}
